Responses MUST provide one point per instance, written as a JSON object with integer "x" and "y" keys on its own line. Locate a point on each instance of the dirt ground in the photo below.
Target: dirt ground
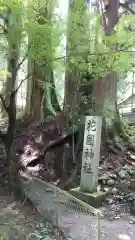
{"x": 21, "y": 221}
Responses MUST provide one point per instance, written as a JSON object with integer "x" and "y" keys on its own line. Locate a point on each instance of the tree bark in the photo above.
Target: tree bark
{"x": 106, "y": 89}
{"x": 6, "y": 91}
{"x": 10, "y": 106}
{"x": 51, "y": 105}
{"x": 72, "y": 75}
{"x": 8, "y": 83}
{"x": 36, "y": 102}
{"x": 34, "y": 94}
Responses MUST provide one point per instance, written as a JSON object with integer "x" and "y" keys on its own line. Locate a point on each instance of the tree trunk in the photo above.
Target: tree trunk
{"x": 70, "y": 97}
{"x": 10, "y": 107}
{"x": 37, "y": 95}
{"x": 34, "y": 94}
{"x": 39, "y": 102}
{"x": 106, "y": 89}
{"x": 7, "y": 88}
{"x": 77, "y": 35}
{"x": 72, "y": 76}
{"x": 28, "y": 92}
{"x": 51, "y": 104}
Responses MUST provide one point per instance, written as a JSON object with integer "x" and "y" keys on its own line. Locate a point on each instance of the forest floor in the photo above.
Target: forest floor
{"x": 116, "y": 176}
{"x": 16, "y": 222}
{"x": 21, "y": 221}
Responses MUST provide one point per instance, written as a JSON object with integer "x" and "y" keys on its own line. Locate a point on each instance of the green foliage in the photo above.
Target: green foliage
{"x": 43, "y": 30}
{"x": 89, "y": 49}
{"x": 33, "y": 19}
{"x": 93, "y": 52}
{"x": 43, "y": 231}
{"x": 30, "y": 230}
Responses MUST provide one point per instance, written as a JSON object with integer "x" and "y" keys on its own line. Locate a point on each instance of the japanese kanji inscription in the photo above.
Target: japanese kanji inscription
{"x": 91, "y": 153}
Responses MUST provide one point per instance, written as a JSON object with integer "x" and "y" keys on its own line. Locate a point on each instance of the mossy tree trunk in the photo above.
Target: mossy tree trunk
{"x": 39, "y": 96}
{"x": 106, "y": 89}
{"x": 35, "y": 94}
{"x": 75, "y": 38}
{"x": 50, "y": 105}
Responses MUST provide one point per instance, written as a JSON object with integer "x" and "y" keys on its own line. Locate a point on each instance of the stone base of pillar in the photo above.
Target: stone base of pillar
{"x": 94, "y": 199}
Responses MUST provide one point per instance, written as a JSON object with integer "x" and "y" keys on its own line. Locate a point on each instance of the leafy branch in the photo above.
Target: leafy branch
{"x": 75, "y": 54}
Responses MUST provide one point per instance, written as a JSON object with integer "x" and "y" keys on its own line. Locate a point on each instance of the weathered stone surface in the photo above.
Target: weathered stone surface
{"x": 110, "y": 182}
{"x": 122, "y": 174}
{"x": 114, "y": 190}
{"x": 91, "y": 153}
{"x": 94, "y": 199}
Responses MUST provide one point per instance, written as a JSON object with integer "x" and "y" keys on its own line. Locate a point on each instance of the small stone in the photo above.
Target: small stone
{"x": 114, "y": 190}
{"x": 110, "y": 182}
{"x": 111, "y": 201}
{"x": 102, "y": 157}
{"x": 106, "y": 189}
{"x": 102, "y": 216}
{"x": 117, "y": 217}
{"x": 103, "y": 234}
{"x": 127, "y": 153}
{"x": 130, "y": 199}
{"x": 113, "y": 175}
{"x": 122, "y": 174}
{"x": 111, "y": 218}
{"x": 132, "y": 156}
{"x": 123, "y": 237}
{"x": 131, "y": 222}
{"x": 119, "y": 197}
